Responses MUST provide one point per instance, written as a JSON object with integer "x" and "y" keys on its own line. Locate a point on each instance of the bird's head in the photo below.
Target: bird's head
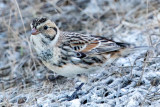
{"x": 44, "y": 27}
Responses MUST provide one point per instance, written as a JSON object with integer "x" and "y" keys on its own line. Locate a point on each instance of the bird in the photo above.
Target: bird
{"x": 73, "y": 54}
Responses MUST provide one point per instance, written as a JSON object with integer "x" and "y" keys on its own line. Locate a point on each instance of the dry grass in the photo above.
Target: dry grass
{"x": 24, "y": 80}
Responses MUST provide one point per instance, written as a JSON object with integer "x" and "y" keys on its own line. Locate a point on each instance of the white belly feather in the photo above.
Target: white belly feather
{"x": 70, "y": 69}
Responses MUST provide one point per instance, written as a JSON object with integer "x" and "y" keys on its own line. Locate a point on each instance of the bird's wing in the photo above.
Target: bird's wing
{"x": 91, "y": 44}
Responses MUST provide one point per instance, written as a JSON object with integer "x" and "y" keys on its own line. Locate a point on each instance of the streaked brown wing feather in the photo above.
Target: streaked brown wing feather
{"x": 90, "y": 44}
{"x": 84, "y": 47}
{"x": 97, "y": 47}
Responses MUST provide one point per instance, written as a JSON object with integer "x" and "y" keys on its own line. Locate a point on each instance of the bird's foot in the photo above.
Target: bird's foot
{"x": 75, "y": 93}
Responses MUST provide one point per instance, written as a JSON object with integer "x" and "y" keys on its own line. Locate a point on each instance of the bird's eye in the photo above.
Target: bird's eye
{"x": 45, "y": 27}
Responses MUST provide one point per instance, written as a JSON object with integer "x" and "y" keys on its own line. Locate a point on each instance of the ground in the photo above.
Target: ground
{"x": 130, "y": 81}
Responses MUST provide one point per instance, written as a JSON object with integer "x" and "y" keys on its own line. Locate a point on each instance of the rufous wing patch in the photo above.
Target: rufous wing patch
{"x": 90, "y": 46}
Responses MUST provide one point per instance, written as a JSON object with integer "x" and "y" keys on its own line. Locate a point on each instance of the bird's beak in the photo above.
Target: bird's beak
{"x": 34, "y": 31}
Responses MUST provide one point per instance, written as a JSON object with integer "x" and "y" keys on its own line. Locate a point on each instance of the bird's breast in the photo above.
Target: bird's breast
{"x": 45, "y": 55}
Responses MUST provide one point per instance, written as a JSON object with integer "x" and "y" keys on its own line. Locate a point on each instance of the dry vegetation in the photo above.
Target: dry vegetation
{"x": 24, "y": 81}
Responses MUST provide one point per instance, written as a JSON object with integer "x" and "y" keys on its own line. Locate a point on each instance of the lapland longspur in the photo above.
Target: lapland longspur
{"x": 70, "y": 54}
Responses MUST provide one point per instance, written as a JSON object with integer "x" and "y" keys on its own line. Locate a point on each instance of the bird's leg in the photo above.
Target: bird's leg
{"x": 83, "y": 78}
{"x": 75, "y": 95}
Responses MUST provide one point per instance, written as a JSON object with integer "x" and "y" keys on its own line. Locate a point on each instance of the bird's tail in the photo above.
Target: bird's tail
{"x": 133, "y": 49}
{"x": 143, "y": 47}
{"x": 127, "y": 51}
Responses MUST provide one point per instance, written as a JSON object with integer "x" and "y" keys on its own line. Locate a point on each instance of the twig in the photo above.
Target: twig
{"x": 20, "y": 15}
